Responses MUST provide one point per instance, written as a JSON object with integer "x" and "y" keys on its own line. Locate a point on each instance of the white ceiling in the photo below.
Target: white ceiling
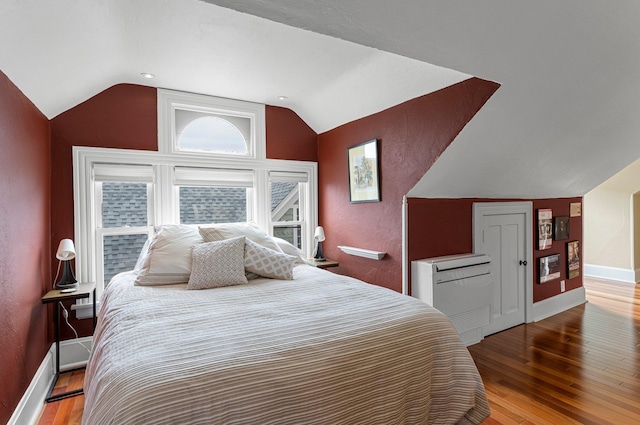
{"x": 61, "y": 53}
{"x": 563, "y": 121}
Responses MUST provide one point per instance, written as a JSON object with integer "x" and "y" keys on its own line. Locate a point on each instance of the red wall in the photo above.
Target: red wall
{"x": 288, "y": 137}
{"x": 560, "y": 207}
{"x": 125, "y": 116}
{"x": 439, "y": 227}
{"x": 411, "y": 138}
{"x": 24, "y": 242}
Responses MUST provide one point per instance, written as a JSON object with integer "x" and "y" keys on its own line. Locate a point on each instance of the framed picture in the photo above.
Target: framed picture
{"x": 364, "y": 179}
{"x": 573, "y": 259}
{"x": 560, "y": 228}
{"x": 549, "y": 268}
{"x": 544, "y": 228}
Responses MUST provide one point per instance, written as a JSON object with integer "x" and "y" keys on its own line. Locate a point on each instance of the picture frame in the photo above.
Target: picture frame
{"x": 364, "y": 175}
{"x": 573, "y": 259}
{"x": 545, "y": 229}
{"x": 560, "y": 228}
{"x": 549, "y": 268}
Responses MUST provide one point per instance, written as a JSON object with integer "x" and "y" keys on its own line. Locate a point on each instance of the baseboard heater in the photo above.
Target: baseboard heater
{"x": 460, "y": 286}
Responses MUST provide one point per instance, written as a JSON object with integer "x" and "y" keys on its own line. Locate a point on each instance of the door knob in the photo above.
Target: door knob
{"x": 523, "y": 263}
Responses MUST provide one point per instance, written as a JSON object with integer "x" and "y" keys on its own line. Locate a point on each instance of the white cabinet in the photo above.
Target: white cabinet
{"x": 460, "y": 286}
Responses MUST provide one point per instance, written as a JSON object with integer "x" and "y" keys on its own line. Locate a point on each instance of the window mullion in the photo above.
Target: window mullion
{"x": 166, "y": 198}
{"x": 262, "y": 206}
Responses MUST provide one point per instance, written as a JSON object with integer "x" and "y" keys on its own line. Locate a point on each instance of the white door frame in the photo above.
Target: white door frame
{"x": 480, "y": 209}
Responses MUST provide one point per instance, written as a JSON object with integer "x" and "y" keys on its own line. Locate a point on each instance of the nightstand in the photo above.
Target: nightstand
{"x": 85, "y": 290}
{"x": 322, "y": 264}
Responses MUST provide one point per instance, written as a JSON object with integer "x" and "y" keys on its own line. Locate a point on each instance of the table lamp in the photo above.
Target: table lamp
{"x": 66, "y": 253}
{"x": 319, "y": 236}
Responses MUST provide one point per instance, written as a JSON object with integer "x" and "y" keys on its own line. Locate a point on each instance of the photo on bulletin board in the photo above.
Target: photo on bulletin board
{"x": 549, "y": 268}
{"x": 560, "y": 228}
{"x": 573, "y": 259}
{"x": 545, "y": 230}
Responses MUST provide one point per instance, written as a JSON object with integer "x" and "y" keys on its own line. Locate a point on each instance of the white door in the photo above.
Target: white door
{"x": 503, "y": 231}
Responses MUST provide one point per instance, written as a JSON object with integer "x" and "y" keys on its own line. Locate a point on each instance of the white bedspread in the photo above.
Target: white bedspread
{"x": 320, "y": 349}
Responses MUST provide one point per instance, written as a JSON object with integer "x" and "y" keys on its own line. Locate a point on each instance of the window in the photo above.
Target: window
{"x": 209, "y": 134}
{"x": 200, "y": 205}
{"x": 192, "y": 123}
{"x": 124, "y": 196}
{"x": 210, "y": 195}
{"x": 287, "y": 206}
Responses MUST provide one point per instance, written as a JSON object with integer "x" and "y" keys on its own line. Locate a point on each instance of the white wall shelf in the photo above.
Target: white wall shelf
{"x": 360, "y": 252}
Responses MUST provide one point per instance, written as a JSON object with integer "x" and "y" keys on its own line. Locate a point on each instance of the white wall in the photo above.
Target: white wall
{"x": 609, "y": 223}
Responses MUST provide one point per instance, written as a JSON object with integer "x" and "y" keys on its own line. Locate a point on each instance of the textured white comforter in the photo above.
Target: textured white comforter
{"x": 320, "y": 349}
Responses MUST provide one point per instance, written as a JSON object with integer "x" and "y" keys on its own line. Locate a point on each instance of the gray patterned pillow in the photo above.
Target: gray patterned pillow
{"x": 216, "y": 264}
{"x": 267, "y": 262}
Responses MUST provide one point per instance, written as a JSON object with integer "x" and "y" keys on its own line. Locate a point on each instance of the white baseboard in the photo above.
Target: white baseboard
{"x": 559, "y": 303}
{"x": 612, "y": 273}
{"x": 32, "y": 400}
{"x": 72, "y": 355}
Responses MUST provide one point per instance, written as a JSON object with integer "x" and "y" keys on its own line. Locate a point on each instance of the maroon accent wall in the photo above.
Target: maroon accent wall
{"x": 439, "y": 227}
{"x": 288, "y": 137}
{"x": 411, "y": 137}
{"x": 560, "y": 207}
{"x": 24, "y": 242}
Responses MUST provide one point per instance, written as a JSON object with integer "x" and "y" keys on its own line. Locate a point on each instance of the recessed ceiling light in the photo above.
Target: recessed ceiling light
{"x": 282, "y": 97}
{"x": 147, "y": 75}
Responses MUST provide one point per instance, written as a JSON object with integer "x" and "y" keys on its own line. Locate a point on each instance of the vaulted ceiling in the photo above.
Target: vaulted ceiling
{"x": 563, "y": 120}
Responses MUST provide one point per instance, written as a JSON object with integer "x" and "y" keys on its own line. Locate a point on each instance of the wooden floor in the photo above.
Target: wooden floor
{"x": 578, "y": 367}
{"x": 69, "y": 410}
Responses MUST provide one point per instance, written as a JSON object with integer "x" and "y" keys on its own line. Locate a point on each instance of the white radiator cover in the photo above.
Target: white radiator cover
{"x": 460, "y": 286}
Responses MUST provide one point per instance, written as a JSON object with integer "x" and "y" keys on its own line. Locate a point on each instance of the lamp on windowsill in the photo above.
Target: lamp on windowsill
{"x": 66, "y": 253}
{"x": 319, "y": 236}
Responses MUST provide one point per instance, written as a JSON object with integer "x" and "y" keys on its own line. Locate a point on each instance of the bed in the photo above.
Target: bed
{"x": 312, "y": 348}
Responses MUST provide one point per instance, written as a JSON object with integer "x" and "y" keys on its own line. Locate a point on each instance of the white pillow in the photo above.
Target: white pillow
{"x": 222, "y": 231}
{"x": 168, "y": 258}
{"x": 290, "y": 249}
{"x": 143, "y": 256}
{"x": 217, "y": 264}
{"x": 267, "y": 262}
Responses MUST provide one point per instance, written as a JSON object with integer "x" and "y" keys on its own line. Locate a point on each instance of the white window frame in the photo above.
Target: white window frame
{"x": 170, "y": 100}
{"x": 165, "y": 196}
{"x": 123, "y": 174}
{"x": 301, "y": 191}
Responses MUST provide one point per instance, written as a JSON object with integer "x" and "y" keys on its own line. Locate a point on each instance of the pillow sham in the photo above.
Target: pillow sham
{"x": 267, "y": 262}
{"x": 287, "y": 248}
{"x": 168, "y": 257}
{"x": 144, "y": 253}
{"x": 251, "y": 231}
{"x": 219, "y": 263}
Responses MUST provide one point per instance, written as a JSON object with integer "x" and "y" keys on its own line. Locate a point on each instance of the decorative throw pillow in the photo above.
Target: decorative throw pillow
{"x": 168, "y": 256}
{"x": 217, "y": 264}
{"x": 219, "y": 232}
{"x": 267, "y": 262}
